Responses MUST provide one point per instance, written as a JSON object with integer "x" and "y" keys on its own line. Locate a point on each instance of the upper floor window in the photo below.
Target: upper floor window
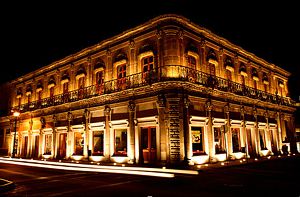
{"x": 148, "y": 63}
{"x": 212, "y": 69}
{"x": 66, "y": 87}
{"x": 192, "y": 62}
{"x": 254, "y": 77}
{"x": 236, "y": 139}
{"x": 229, "y": 75}
{"x": 243, "y": 73}
{"x": 51, "y": 90}
{"x": 121, "y": 74}
{"x": 265, "y": 82}
{"x": 81, "y": 81}
{"x": 197, "y": 140}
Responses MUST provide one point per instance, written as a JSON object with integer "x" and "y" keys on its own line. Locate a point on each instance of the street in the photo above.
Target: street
{"x": 279, "y": 177}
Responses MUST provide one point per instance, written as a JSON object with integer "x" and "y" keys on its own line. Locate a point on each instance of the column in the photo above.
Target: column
{"x": 174, "y": 128}
{"x": 279, "y": 136}
{"x": 161, "y": 107}
{"x": 107, "y": 113}
{"x": 244, "y": 132}
{"x": 86, "y": 147}
{"x": 131, "y": 152}
{"x": 222, "y": 70}
{"x": 257, "y": 141}
{"x": 227, "y": 130}
{"x": 186, "y": 129}
{"x": 70, "y": 136}
{"x": 160, "y": 51}
{"x": 132, "y": 58}
{"x": 211, "y": 151}
{"x": 109, "y": 69}
{"x": 203, "y": 55}
{"x": 54, "y": 141}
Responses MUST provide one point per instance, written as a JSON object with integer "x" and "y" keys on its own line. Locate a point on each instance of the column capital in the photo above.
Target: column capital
{"x": 131, "y": 44}
{"x": 161, "y": 100}
{"x": 70, "y": 116}
{"x": 131, "y": 106}
{"x": 159, "y": 33}
{"x": 107, "y": 110}
{"x": 208, "y": 105}
{"x": 86, "y": 114}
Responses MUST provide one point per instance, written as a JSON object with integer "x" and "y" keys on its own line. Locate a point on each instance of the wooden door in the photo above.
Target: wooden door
{"x": 149, "y": 144}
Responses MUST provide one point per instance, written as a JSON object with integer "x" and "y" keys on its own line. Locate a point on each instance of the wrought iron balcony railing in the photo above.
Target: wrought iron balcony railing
{"x": 165, "y": 73}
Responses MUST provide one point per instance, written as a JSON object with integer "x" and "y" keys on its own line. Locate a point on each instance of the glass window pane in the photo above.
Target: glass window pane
{"x": 98, "y": 140}
{"x": 121, "y": 142}
{"x": 79, "y": 141}
{"x": 48, "y": 144}
{"x": 197, "y": 140}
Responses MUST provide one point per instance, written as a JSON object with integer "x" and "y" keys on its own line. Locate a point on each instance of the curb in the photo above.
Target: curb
{"x": 8, "y": 185}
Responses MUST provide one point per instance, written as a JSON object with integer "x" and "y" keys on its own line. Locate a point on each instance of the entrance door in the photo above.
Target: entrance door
{"x": 25, "y": 146}
{"x": 149, "y": 144}
{"x": 251, "y": 150}
{"x": 62, "y": 145}
{"x": 36, "y": 147}
{"x": 273, "y": 145}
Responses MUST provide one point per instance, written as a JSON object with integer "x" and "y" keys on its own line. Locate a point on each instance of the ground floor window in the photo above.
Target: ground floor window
{"x": 197, "y": 141}
{"x": 262, "y": 139}
{"x": 79, "y": 142}
{"x": 98, "y": 139}
{"x": 219, "y": 136}
{"x": 120, "y": 142}
{"x": 236, "y": 142}
{"x": 48, "y": 144}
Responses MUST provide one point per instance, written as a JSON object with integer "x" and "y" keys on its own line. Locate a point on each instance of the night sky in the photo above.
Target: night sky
{"x": 36, "y": 34}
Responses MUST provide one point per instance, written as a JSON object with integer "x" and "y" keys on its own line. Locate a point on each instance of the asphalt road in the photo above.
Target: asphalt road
{"x": 278, "y": 177}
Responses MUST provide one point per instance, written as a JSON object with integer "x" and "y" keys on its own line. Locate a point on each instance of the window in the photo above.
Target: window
{"x": 99, "y": 78}
{"x": 79, "y": 142}
{"x": 66, "y": 87}
{"x": 98, "y": 139}
{"x": 121, "y": 74}
{"x": 212, "y": 69}
{"x": 147, "y": 65}
{"x": 255, "y": 84}
{"x": 48, "y": 144}
{"x": 65, "y": 91}
{"x": 242, "y": 79}
{"x": 236, "y": 144}
{"x": 121, "y": 142}
{"x": 19, "y": 101}
{"x": 266, "y": 87}
{"x": 29, "y": 98}
{"x": 191, "y": 62}
{"x": 262, "y": 139}
{"x": 81, "y": 83}
{"x": 228, "y": 75}
{"x": 51, "y": 91}
{"x": 219, "y": 140}
{"x": 197, "y": 141}
{"x": 100, "y": 82}
{"x": 40, "y": 95}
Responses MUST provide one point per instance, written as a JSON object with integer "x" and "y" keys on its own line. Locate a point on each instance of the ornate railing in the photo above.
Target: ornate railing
{"x": 165, "y": 73}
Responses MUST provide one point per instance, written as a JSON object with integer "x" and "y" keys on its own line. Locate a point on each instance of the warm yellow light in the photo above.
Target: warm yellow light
{"x": 222, "y": 164}
{"x": 255, "y": 159}
{"x": 16, "y": 114}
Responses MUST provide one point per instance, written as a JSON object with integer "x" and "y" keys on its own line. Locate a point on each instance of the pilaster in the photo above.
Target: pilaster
{"x": 131, "y": 151}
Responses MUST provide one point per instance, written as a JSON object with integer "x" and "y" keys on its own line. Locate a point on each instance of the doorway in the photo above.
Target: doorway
{"x": 62, "y": 145}
{"x": 251, "y": 150}
{"x": 148, "y": 144}
{"x": 25, "y": 146}
{"x": 35, "y": 151}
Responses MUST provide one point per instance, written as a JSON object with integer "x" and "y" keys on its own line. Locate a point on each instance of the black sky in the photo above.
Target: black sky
{"x": 36, "y": 34}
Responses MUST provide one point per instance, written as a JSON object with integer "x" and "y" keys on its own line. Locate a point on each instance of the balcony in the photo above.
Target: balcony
{"x": 162, "y": 74}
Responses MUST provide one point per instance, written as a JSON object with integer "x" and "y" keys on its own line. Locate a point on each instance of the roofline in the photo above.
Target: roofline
{"x": 151, "y": 23}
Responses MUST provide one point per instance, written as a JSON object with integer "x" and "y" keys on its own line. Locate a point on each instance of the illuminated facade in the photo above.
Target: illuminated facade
{"x": 167, "y": 91}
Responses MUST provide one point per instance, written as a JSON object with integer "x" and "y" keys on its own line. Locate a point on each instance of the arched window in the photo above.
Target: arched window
{"x": 212, "y": 69}
{"x": 148, "y": 63}
{"x": 254, "y": 77}
{"x": 243, "y": 73}
{"x": 192, "y": 62}
{"x": 265, "y": 82}
{"x": 121, "y": 76}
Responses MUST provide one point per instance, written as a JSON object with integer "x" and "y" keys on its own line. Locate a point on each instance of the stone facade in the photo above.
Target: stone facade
{"x": 167, "y": 91}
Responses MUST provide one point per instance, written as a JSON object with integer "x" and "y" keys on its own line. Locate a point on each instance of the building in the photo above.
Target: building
{"x": 167, "y": 91}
